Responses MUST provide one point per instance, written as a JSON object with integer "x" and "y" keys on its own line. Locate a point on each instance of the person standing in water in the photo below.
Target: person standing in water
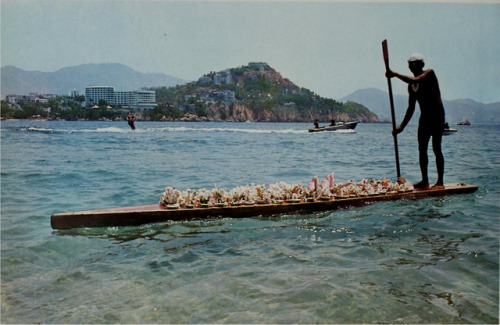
{"x": 423, "y": 88}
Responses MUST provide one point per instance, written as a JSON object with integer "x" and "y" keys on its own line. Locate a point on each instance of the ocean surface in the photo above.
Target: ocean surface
{"x": 434, "y": 260}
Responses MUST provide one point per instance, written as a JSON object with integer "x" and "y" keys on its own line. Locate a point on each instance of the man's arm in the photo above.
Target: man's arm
{"x": 409, "y": 79}
{"x": 408, "y": 115}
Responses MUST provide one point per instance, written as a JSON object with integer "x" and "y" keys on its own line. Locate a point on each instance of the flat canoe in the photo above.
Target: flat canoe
{"x": 139, "y": 215}
{"x": 345, "y": 126}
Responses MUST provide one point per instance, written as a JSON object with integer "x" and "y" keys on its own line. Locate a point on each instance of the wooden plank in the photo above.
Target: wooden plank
{"x": 138, "y": 215}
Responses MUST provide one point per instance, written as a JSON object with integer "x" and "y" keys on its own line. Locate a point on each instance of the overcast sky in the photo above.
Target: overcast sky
{"x": 333, "y": 48}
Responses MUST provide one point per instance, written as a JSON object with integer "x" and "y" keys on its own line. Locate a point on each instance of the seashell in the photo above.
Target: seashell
{"x": 278, "y": 192}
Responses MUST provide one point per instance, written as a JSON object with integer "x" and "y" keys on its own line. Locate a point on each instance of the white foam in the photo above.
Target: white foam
{"x": 35, "y": 129}
{"x": 109, "y": 130}
{"x": 177, "y": 129}
{"x": 235, "y": 130}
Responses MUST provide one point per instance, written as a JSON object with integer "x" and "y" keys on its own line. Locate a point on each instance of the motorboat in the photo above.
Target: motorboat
{"x": 337, "y": 126}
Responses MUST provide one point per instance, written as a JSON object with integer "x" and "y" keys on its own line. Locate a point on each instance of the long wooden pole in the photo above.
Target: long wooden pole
{"x": 391, "y": 100}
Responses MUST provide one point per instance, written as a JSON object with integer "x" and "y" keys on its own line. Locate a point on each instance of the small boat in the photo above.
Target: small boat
{"x": 466, "y": 122}
{"x": 139, "y": 215}
{"x": 449, "y": 131}
{"x": 339, "y": 126}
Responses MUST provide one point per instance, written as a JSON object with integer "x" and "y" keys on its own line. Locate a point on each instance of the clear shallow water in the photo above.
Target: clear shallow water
{"x": 426, "y": 261}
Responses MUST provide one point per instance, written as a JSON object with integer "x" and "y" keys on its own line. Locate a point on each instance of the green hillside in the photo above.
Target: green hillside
{"x": 255, "y": 92}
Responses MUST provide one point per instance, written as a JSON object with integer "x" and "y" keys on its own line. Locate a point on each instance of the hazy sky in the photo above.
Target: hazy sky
{"x": 333, "y": 48}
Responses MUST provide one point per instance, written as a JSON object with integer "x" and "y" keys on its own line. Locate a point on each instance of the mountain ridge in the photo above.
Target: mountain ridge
{"x": 17, "y": 81}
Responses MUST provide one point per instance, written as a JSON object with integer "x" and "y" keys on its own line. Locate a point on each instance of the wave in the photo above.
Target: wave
{"x": 109, "y": 130}
{"x": 350, "y": 131}
{"x": 230, "y": 130}
{"x": 35, "y": 129}
{"x": 179, "y": 129}
{"x": 244, "y": 130}
{"x": 97, "y": 130}
{"x": 164, "y": 129}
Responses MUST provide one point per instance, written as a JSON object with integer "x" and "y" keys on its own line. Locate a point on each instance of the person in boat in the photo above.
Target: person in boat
{"x": 446, "y": 126}
{"x": 316, "y": 124}
{"x": 423, "y": 88}
{"x": 131, "y": 121}
{"x": 332, "y": 123}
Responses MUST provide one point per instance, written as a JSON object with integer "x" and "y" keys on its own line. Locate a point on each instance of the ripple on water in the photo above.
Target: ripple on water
{"x": 413, "y": 261}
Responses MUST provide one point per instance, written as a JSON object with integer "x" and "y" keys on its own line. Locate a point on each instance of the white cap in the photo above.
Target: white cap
{"x": 416, "y": 57}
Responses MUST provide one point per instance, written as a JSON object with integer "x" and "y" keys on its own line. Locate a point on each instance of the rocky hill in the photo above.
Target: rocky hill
{"x": 255, "y": 92}
{"x": 61, "y": 82}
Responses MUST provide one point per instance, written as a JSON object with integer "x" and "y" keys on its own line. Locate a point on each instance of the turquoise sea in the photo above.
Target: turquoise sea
{"x": 434, "y": 260}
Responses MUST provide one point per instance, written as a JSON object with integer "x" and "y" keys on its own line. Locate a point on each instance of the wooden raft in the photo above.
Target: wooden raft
{"x": 138, "y": 215}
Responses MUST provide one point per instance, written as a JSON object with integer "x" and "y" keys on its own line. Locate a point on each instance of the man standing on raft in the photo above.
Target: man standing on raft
{"x": 423, "y": 88}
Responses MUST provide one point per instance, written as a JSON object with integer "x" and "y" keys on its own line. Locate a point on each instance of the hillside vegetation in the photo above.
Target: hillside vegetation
{"x": 256, "y": 93}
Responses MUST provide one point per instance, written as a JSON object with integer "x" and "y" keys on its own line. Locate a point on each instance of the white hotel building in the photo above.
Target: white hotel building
{"x": 136, "y": 99}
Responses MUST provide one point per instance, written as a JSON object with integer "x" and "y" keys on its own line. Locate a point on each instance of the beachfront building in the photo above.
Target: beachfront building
{"x": 136, "y": 99}
{"x": 34, "y": 98}
{"x": 16, "y": 99}
{"x": 96, "y": 93}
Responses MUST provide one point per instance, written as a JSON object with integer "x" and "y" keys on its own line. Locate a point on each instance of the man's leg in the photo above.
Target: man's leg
{"x": 436, "y": 147}
{"x": 423, "y": 144}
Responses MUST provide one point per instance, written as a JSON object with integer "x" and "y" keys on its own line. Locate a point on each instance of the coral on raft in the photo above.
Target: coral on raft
{"x": 280, "y": 192}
